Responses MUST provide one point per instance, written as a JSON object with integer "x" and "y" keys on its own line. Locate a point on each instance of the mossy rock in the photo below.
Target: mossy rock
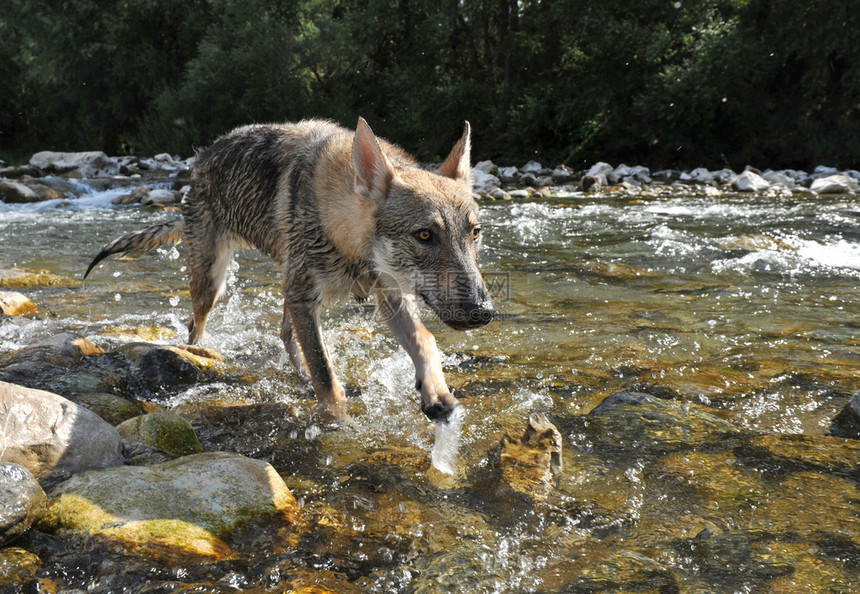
{"x": 185, "y": 508}
{"x": 163, "y": 431}
{"x": 26, "y": 278}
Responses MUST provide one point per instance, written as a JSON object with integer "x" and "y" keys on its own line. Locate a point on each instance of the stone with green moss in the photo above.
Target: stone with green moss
{"x": 164, "y": 431}
{"x": 183, "y": 508}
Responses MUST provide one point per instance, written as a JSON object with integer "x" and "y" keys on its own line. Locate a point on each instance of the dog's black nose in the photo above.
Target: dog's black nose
{"x": 480, "y": 314}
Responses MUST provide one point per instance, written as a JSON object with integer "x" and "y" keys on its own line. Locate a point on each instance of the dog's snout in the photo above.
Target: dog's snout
{"x": 480, "y": 314}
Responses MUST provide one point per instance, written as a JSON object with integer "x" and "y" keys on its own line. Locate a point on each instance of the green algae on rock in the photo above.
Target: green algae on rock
{"x": 183, "y": 508}
{"x": 161, "y": 430}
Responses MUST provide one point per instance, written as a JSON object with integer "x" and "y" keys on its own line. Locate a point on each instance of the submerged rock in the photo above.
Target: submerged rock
{"x": 532, "y": 461}
{"x": 187, "y": 507}
{"x": 52, "y": 436}
{"x": 635, "y": 421}
{"x": 13, "y": 303}
{"x": 17, "y": 566}
{"x": 23, "y": 278}
{"x": 847, "y": 422}
{"x": 527, "y": 465}
{"x": 22, "y": 501}
{"x": 164, "y": 431}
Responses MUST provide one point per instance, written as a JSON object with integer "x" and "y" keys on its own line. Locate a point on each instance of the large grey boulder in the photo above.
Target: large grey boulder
{"x": 749, "y": 181}
{"x": 833, "y": 184}
{"x": 88, "y": 164}
{"x": 51, "y": 436}
{"x": 22, "y": 501}
{"x": 187, "y": 506}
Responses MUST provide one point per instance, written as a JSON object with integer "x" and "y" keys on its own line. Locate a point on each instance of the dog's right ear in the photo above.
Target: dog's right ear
{"x": 456, "y": 165}
{"x": 373, "y": 172}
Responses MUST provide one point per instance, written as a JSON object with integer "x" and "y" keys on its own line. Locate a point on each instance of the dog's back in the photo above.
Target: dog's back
{"x": 237, "y": 180}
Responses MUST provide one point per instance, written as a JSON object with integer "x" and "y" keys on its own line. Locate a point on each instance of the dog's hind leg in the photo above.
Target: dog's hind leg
{"x": 207, "y": 275}
{"x": 294, "y": 349}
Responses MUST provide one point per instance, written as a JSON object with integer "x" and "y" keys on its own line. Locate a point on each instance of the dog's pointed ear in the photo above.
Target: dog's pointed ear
{"x": 456, "y": 165}
{"x": 373, "y": 172}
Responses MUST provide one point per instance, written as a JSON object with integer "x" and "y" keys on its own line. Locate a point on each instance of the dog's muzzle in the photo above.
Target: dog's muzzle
{"x": 469, "y": 315}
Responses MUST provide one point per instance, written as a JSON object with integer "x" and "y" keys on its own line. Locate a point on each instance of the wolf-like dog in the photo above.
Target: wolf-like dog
{"x": 341, "y": 213}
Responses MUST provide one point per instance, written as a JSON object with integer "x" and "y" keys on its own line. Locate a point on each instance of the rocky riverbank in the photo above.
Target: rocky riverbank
{"x": 164, "y": 179}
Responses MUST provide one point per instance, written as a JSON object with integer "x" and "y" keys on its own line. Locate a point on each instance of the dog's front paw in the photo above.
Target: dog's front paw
{"x": 438, "y": 411}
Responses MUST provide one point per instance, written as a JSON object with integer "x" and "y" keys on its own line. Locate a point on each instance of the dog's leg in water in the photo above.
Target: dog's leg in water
{"x": 294, "y": 350}
{"x": 207, "y": 275}
{"x": 401, "y": 315}
{"x": 329, "y": 392}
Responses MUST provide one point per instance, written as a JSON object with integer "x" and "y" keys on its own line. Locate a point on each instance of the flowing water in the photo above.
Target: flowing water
{"x": 744, "y": 304}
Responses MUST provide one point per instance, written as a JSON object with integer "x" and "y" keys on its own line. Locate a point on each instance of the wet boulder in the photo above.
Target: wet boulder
{"x": 64, "y": 350}
{"x": 847, "y": 422}
{"x": 160, "y": 196}
{"x": 22, "y": 501}
{"x": 185, "y": 508}
{"x": 52, "y": 436}
{"x": 13, "y": 303}
{"x": 483, "y": 182}
{"x": 833, "y": 184}
{"x": 22, "y": 278}
{"x": 163, "y": 431}
{"x": 527, "y": 465}
{"x": 598, "y": 176}
{"x": 628, "y": 422}
{"x": 16, "y": 192}
{"x": 750, "y": 181}
{"x": 87, "y": 164}
{"x": 165, "y": 366}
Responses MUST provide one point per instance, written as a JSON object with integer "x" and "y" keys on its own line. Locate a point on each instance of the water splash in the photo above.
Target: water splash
{"x": 446, "y": 442}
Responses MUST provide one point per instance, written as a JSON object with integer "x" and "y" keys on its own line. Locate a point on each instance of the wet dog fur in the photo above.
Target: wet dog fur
{"x": 342, "y": 214}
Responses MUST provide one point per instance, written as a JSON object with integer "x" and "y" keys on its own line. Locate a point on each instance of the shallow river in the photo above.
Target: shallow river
{"x": 745, "y": 305}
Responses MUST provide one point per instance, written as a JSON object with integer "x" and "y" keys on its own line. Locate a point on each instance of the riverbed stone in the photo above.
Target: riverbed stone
{"x": 749, "y": 181}
{"x": 87, "y": 164}
{"x": 17, "y": 566}
{"x": 160, "y": 196}
{"x": 15, "y": 192}
{"x": 162, "y": 430}
{"x": 164, "y": 366}
{"x": 112, "y": 408}
{"x": 52, "y": 436}
{"x": 63, "y": 350}
{"x": 184, "y": 508}
{"x": 24, "y": 278}
{"x": 22, "y": 501}
{"x": 833, "y": 184}
{"x": 847, "y": 422}
{"x": 13, "y": 303}
{"x": 636, "y": 421}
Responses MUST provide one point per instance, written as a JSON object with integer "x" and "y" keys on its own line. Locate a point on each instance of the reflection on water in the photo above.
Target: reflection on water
{"x": 746, "y": 305}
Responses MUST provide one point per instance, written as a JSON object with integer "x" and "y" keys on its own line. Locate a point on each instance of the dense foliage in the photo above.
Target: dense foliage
{"x": 658, "y": 82}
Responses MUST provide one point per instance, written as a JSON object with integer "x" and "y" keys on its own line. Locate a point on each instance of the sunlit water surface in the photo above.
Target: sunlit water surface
{"x": 747, "y": 305}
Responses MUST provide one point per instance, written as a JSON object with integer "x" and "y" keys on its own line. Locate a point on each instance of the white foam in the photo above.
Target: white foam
{"x": 446, "y": 442}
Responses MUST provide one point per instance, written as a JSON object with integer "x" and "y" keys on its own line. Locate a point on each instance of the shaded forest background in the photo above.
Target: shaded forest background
{"x": 772, "y": 83}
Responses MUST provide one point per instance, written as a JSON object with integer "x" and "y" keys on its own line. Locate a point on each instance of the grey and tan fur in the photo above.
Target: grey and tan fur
{"x": 341, "y": 213}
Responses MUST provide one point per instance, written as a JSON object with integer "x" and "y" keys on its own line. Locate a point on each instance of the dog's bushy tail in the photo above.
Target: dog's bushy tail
{"x": 147, "y": 238}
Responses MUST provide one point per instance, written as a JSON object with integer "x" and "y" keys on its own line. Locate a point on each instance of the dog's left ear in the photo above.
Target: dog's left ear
{"x": 456, "y": 165}
{"x": 373, "y": 172}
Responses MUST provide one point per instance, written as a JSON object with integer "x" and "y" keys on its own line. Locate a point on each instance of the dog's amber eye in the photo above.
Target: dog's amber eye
{"x": 424, "y": 235}
{"x": 476, "y": 233}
